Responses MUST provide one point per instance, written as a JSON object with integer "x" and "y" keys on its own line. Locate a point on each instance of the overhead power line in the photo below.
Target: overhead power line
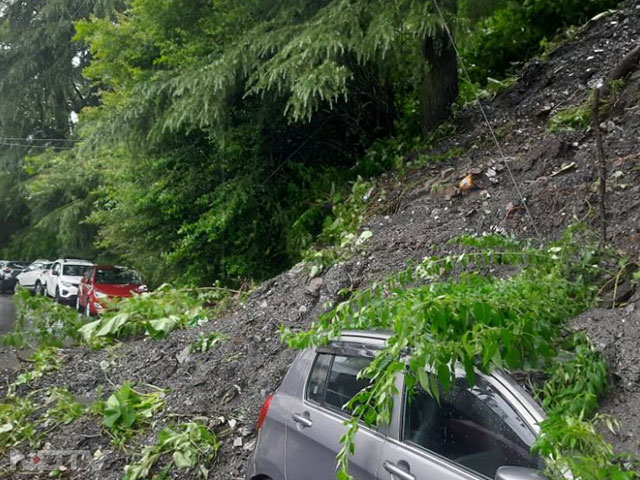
{"x": 32, "y": 139}
{"x": 32, "y": 145}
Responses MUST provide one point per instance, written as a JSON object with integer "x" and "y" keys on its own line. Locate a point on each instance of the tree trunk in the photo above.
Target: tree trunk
{"x": 439, "y": 87}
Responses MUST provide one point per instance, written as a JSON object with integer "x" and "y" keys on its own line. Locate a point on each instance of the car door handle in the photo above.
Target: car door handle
{"x": 302, "y": 420}
{"x": 397, "y": 471}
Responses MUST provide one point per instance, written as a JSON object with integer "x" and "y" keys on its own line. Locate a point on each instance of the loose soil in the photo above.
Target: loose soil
{"x": 556, "y": 173}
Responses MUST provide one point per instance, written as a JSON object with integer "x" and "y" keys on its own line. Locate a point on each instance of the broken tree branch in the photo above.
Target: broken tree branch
{"x": 628, "y": 63}
{"x": 595, "y": 117}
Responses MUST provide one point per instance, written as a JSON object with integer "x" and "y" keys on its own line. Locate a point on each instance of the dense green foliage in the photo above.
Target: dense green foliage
{"x": 569, "y": 439}
{"x": 43, "y": 323}
{"x": 190, "y": 445}
{"x": 481, "y": 323}
{"x": 41, "y": 92}
{"x": 217, "y": 140}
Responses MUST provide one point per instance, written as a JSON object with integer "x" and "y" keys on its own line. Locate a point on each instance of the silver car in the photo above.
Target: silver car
{"x": 469, "y": 434}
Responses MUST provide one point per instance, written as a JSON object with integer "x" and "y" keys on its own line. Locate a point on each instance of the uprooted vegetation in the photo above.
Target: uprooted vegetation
{"x": 484, "y": 322}
{"x": 495, "y": 303}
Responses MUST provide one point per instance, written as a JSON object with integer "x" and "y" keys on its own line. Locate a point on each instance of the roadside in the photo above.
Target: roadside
{"x": 7, "y": 319}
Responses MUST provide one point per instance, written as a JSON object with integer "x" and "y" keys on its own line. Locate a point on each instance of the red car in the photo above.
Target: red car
{"x": 103, "y": 283}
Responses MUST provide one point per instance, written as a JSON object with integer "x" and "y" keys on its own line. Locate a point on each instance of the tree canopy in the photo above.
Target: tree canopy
{"x": 207, "y": 140}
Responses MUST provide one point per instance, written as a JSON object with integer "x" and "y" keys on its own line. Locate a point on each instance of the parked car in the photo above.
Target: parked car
{"x": 30, "y": 275}
{"x": 103, "y": 283}
{"x": 468, "y": 434}
{"x": 62, "y": 281}
{"x": 9, "y": 270}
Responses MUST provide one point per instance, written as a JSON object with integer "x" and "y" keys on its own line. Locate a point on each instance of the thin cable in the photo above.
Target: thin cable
{"x": 486, "y": 119}
{"x": 23, "y": 145}
{"x": 28, "y": 139}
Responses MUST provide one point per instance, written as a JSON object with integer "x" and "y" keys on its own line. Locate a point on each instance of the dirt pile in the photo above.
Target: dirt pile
{"x": 556, "y": 173}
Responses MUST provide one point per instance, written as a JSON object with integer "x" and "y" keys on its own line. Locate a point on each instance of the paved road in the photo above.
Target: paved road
{"x": 7, "y": 314}
{"x": 7, "y": 317}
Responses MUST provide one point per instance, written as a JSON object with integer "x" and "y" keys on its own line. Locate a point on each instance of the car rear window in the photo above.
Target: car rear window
{"x": 474, "y": 427}
{"x": 75, "y": 270}
{"x": 118, "y": 276}
{"x": 334, "y": 380}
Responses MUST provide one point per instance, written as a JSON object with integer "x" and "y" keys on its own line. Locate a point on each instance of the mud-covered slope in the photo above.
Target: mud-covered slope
{"x": 556, "y": 172}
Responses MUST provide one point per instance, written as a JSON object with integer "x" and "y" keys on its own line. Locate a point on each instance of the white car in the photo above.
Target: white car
{"x": 63, "y": 278}
{"x": 30, "y": 275}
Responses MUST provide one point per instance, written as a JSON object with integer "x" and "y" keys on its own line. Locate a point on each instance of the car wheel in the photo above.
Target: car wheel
{"x": 38, "y": 289}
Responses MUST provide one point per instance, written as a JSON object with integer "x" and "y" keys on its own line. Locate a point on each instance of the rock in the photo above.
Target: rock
{"x": 303, "y": 309}
{"x": 238, "y": 442}
{"x": 184, "y": 355}
{"x": 314, "y": 286}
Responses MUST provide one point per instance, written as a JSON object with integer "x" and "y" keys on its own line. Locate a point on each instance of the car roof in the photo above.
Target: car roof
{"x": 381, "y": 335}
{"x": 74, "y": 261}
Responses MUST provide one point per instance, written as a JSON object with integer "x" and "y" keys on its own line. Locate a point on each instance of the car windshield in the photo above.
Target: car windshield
{"x": 118, "y": 276}
{"x": 474, "y": 427}
{"x": 75, "y": 270}
{"x": 18, "y": 264}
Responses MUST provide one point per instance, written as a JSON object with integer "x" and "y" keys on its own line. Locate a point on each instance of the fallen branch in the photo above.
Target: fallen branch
{"x": 628, "y": 63}
{"x": 595, "y": 117}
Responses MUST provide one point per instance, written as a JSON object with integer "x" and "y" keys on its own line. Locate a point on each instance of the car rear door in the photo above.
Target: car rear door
{"x": 316, "y": 422}
{"x": 52, "y": 278}
{"x": 466, "y": 435}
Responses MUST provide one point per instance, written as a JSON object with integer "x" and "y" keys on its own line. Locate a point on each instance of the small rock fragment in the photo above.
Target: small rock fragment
{"x": 314, "y": 286}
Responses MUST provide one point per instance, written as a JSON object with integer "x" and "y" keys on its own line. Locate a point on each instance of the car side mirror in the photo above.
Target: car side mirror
{"x": 519, "y": 473}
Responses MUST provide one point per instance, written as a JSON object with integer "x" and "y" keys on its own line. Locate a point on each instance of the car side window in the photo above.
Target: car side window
{"x": 474, "y": 427}
{"x": 318, "y": 377}
{"x": 334, "y": 380}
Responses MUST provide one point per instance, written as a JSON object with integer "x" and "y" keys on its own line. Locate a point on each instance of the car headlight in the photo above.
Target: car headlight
{"x": 99, "y": 294}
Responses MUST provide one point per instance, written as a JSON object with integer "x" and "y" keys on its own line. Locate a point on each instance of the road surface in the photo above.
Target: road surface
{"x": 7, "y": 314}
{"x": 7, "y": 317}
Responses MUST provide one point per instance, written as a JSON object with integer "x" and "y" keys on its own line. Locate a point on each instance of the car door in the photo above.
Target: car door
{"x": 316, "y": 423}
{"x": 52, "y": 279}
{"x": 466, "y": 435}
{"x": 26, "y": 278}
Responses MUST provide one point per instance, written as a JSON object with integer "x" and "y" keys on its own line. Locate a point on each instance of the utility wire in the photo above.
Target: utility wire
{"x": 26, "y": 145}
{"x": 486, "y": 120}
{"x": 31, "y": 139}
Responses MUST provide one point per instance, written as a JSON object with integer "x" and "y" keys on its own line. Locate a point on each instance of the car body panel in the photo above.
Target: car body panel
{"x": 311, "y": 441}
{"x": 322, "y": 438}
{"x": 64, "y": 277}
{"x": 30, "y": 275}
{"x": 9, "y": 270}
{"x": 96, "y": 293}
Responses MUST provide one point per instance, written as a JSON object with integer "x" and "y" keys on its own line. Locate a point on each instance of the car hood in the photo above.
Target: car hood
{"x": 116, "y": 290}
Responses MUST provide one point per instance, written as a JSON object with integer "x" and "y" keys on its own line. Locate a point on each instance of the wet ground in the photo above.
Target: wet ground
{"x": 7, "y": 317}
{"x": 7, "y": 313}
